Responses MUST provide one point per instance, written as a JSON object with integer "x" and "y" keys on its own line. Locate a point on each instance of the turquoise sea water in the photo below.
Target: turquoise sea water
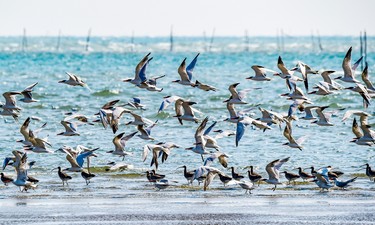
{"x": 109, "y": 60}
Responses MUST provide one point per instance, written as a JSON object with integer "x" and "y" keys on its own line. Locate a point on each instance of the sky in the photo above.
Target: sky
{"x": 188, "y": 18}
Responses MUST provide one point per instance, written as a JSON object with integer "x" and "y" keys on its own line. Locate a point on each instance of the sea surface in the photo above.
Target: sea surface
{"x": 225, "y": 61}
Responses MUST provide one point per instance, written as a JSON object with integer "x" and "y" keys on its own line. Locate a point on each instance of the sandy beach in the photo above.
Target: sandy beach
{"x": 270, "y": 209}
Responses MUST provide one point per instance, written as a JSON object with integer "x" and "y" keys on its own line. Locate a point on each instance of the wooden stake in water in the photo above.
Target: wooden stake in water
{"x": 171, "y": 40}
{"x": 365, "y": 47}
{"x": 212, "y": 40}
{"x": 58, "y": 41}
{"x": 282, "y": 40}
{"x": 319, "y": 41}
{"x": 278, "y": 40}
{"x": 247, "y": 41}
{"x": 132, "y": 42}
{"x": 24, "y": 40}
{"x": 361, "y": 47}
{"x": 205, "y": 41}
{"x": 312, "y": 41}
{"x": 88, "y": 40}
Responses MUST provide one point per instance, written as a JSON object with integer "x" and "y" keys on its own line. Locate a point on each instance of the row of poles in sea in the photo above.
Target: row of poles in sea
{"x": 280, "y": 41}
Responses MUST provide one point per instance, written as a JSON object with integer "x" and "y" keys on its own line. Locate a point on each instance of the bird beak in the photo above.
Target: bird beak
{"x": 54, "y": 169}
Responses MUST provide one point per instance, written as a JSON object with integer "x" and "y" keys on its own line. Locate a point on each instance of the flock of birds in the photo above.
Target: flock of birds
{"x": 206, "y": 145}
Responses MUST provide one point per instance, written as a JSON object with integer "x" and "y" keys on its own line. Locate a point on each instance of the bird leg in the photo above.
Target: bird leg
{"x": 273, "y": 189}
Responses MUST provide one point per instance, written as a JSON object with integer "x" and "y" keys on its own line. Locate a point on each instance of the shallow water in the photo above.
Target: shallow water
{"x": 110, "y": 60}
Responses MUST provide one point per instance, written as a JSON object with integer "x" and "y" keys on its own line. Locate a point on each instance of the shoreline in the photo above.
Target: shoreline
{"x": 187, "y": 210}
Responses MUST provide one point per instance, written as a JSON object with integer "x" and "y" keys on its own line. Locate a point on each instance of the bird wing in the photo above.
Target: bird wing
{"x": 356, "y": 130}
{"x": 190, "y": 67}
{"x": 182, "y": 71}
{"x": 142, "y": 72}
{"x": 167, "y": 100}
{"x": 346, "y": 64}
{"x": 366, "y": 79}
{"x": 281, "y": 66}
{"x": 208, "y": 130}
{"x": 240, "y": 131}
{"x": 140, "y": 65}
{"x": 81, "y": 157}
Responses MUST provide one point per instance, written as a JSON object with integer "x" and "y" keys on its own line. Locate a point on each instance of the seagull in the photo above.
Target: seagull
{"x": 245, "y": 121}
{"x": 115, "y": 117}
{"x": 288, "y": 135}
{"x": 38, "y": 145}
{"x": 199, "y": 140}
{"x": 24, "y": 130}
{"x": 167, "y": 101}
{"x": 344, "y": 184}
{"x": 309, "y": 115}
{"x": 366, "y": 79}
{"x": 349, "y": 71}
{"x": 204, "y": 87}
{"x": 186, "y": 73}
{"x": 364, "y": 92}
{"x": 21, "y": 166}
{"x": 184, "y": 111}
{"x": 73, "y": 80}
{"x": 146, "y": 132}
{"x": 157, "y": 151}
{"x": 137, "y": 80}
{"x": 76, "y": 160}
{"x": 237, "y": 97}
{"x": 260, "y": 73}
{"x": 119, "y": 142}
{"x": 272, "y": 169}
{"x": 27, "y": 96}
{"x": 364, "y": 135}
{"x": 138, "y": 120}
{"x": 10, "y": 101}
{"x": 70, "y": 129}
{"x": 144, "y": 82}
{"x": 323, "y": 117}
{"x": 304, "y": 69}
{"x": 322, "y": 179}
{"x": 323, "y": 89}
{"x": 333, "y": 85}
{"x": 118, "y": 166}
{"x": 270, "y": 117}
{"x": 162, "y": 149}
{"x": 136, "y": 103}
{"x": 285, "y": 73}
{"x": 248, "y": 186}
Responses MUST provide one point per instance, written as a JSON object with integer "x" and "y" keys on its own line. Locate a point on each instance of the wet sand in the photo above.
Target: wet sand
{"x": 251, "y": 209}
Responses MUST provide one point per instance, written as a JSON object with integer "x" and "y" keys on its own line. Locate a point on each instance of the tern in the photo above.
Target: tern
{"x": 137, "y": 80}
{"x": 200, "y": 142}
{"x": 27, "y": 96}
{"x": 184, "y": 111}
{"x": 272, "y": 169}
{"x": 323, "y": 117}
{"x": 344, "y": 184}
{"x": 204, "y": 87}
{"x": 237, "y": 96}
{"x": 186, "y": 73}
{"x": 73, "y": 80}
{"x": 349, "y": 70}
{"x": 288, "y": 135}
{"x": 146, "y": 132}
{"x": 260, "y": 73}
{"x": 119, "y": 142}
{"x": 70, "y": 129}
